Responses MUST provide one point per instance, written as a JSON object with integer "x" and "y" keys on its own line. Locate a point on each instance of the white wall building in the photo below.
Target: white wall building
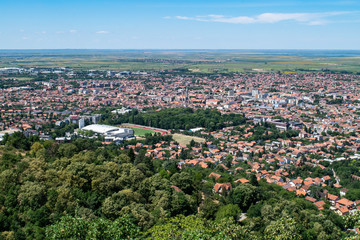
{"x": 109, "y": 132}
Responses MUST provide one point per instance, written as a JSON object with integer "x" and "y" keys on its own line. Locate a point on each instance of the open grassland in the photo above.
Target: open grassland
{"x": 184, "y": 139}
{"x": 278, "y": 63}
{"x": 23, "y": 78}
{"x": 196, "y": 61}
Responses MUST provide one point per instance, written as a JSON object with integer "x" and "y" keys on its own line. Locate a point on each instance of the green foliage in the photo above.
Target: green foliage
{"x": 77, "y": 228}
{"x": 344, "y": 170}
{"x": 41, "y": 185}
{"x": 228, "y": 211}
{"x": 151, "y": 139}
{"x": 181, "y": 204}
{"x": 208, "y": 208}
{"x": 32, "y": 194}
{"x": 184, "y": 181}
{"x": 192, "y": 227}
{"x": 179, "y": 118}
{"x": 67, "y": 150}
{"x": 8, "y": 160}
{"x": 253, "y": 180}
{"x": 244, "y": 195}
{"x": 19, "y": 141}
{"x": 352, "y": 220}
{"x": 260, "y": 133}
{"x": 283, "y": 229}
{"x": 353, "y": 194}
{"x": 180, "y": 227}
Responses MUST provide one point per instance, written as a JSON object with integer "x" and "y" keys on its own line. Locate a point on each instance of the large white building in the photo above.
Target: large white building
{"x": 10, "y": 70}
{"x": 121, "y": 111}
{"x": 109, "y": 132}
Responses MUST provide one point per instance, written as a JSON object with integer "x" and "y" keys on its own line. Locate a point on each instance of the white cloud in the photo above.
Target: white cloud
{"x": 314, "y": 23}
{"x": 102, "y": 32}
{"x": 189, "y": 18}
{"x": 306, "y": 18}
{"x": 216, "y": 16}
{"x": 73, "y": 31}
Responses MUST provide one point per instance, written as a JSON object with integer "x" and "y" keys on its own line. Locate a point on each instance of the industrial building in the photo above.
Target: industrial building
{"x": 111, "y": 134}
{"x": 10, "y": 70}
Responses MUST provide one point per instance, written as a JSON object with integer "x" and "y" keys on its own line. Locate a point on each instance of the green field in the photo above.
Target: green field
{"x": 196, "y": 61}
{"x": 184, "y": 139}
{"x": 140, "y": 131}
{"x": 23, "y": 78}
{"x": 180, "y": 138}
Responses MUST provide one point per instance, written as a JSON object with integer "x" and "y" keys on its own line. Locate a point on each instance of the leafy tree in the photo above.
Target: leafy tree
{"x": 40, "y": 185}
{"x": 67, "y": 150}
{"x": 113, "y": 205}
{"x": 228, "y": 161}
{"x": 208, "y": 208}
{"x": 193, "y": 227}
{"x": 228, "y": 211}
{"x": 184, "y": 181}
{"x": 353, "y": 194}
{"x": 131, "y": 155}
{"x": 35, "y": 148}
{"x": 9, "y": 159}
{"x": 352, "y": 220}
{"x": 253, "y": 180}
{"x": 180, "y": 204}
{"x": 283, "y": 229}
{"x": 68, "y": 228}
{"x": 179, "y": 118}
{"x": 141, "y": 216}
{"x": 77, "y": 228}
{"x": 32, "y": 194}
{"x": 18, "y": 140}
{"x": 244, "y": 195}
{"x": 181, "y": 227}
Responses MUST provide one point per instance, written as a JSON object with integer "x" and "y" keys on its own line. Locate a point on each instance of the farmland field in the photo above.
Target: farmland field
{"x": 195, "y": 61}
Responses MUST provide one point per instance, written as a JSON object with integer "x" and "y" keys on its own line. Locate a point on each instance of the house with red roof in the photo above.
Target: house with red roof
{"x": 215, "y": 175}
{"x": 222, "y": 187}
{"x": 242, "y": 180}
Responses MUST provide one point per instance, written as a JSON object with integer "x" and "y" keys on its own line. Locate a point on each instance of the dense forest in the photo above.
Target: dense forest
{"x": 177, "y": 118}
{"x": 82, "y": 190}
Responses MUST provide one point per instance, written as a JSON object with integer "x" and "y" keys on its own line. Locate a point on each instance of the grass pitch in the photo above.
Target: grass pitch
{"x": 140, "y": 131}
{"x": 184, "y": 139}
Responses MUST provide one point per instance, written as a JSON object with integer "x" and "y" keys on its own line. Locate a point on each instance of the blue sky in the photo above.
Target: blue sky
{"x": 174, "y": 24}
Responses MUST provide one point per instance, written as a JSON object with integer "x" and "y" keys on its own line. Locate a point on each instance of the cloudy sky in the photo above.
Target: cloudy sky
{"x": 175, "y": 24}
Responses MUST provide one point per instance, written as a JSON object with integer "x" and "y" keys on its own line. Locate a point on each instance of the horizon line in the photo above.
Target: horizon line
{"x": 188, "y": 49}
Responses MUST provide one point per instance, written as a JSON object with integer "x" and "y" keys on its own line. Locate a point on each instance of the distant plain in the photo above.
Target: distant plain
{"x": 195, "y": 61}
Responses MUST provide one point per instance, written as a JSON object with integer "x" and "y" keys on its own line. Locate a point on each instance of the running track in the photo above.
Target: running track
{"x": 162, "y": 131}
